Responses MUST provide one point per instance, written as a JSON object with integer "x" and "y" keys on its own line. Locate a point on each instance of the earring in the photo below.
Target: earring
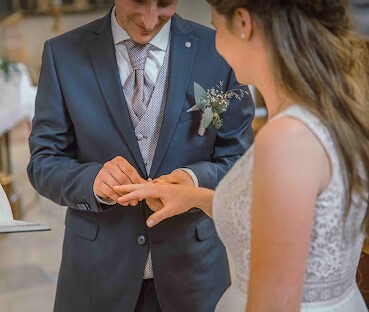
{"x": 243, "y": 36}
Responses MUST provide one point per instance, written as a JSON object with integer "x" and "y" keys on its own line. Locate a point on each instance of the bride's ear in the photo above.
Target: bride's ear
{"x": 243, "y": 24}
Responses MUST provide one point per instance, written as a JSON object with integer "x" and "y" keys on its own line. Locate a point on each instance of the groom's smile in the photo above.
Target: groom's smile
{"x": 143, "y": 19}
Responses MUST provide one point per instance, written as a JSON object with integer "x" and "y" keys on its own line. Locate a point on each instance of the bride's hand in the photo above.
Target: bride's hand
{"x": 176, "y": 199}
{"x": 153, "y": 203}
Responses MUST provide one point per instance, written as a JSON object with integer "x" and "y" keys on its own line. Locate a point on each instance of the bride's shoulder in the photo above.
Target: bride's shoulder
{"x": 285, "y": 132}
{"x": 288, "y": 145}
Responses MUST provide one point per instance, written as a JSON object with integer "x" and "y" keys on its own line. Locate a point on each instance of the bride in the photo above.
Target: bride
{"x": 293, "y": 209}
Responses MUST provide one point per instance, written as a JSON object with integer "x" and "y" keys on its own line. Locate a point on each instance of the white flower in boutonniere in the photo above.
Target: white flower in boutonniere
{"x": 213, "y": 102}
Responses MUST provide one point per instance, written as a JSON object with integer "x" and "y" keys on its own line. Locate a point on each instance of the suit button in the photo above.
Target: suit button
{"x": 188, "y": 44}
{"x": 141, "y": 240}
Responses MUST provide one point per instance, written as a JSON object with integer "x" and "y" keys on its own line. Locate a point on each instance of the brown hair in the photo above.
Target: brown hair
{"x": 318, "y": 57}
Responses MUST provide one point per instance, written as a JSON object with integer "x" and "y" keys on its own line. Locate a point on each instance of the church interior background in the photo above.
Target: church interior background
{"x": 29, "y": 263}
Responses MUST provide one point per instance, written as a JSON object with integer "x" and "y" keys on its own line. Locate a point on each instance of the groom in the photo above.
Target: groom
{"x": 112, "y": 109}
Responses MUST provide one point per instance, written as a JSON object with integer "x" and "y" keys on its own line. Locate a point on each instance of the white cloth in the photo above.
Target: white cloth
{"x": 5, "y": 209}
{"x": 17, "y": 98}
{"x": 330, "y": 283}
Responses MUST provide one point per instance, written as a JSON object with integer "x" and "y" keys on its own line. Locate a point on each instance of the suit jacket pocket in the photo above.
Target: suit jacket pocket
{"x": 190, "y": 115}
{"x": 205, "y": 229}
{"x": 82, "y": 225}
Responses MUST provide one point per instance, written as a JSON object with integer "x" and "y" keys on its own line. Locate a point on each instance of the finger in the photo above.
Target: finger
{"x": 157, "y": 203}
{"x": 104, "y": 177}
{"x": 107, "y": 187}
{"x": 132, "y": 203}
{"x": 140, "y": 192}
{"x": 128, "y": 170}
{"x": 159, "y": 216}
{"x": 109, "y": 176}
{"x": 150, "y": 202}
{"x": 134, "y": 195}
{"x": 112, "y": 169}
{"x": 159, "y": 180}
{"x": 167, "y": 178}
{"x": 121, "y": 177}
{"x": 114, "y": 176}
{"x": 119, "y": 189}
{"x": 125, "y": 182}
{"x": 102, "y": 181}
{"x": 124, "y": 189}
{"x": 107, "y": 192}
{"x": 154, "y": 204}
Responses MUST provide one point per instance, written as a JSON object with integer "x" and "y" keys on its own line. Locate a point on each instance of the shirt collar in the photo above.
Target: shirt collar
{"x": 160, "y": 41}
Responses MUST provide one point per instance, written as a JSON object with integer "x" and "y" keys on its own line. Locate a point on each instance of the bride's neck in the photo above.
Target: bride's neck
{"x": 275, "y": 98}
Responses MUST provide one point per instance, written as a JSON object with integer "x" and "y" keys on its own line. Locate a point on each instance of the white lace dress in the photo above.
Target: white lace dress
{"x": 335, "y": 249}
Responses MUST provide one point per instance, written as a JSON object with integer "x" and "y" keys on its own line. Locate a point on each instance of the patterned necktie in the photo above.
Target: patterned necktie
{"x": 138, "y": 85}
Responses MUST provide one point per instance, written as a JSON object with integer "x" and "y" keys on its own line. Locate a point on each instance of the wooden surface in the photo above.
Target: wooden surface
{"x": 366, "y": 247}
{"x": 362, "y": 277}
{"x": 11, "y": 114}
{"x": 12, "y": 19}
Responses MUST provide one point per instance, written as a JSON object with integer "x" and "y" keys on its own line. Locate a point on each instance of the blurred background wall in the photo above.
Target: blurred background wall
{"x": 30, "y": 22}
{"x": 360, "y": 14}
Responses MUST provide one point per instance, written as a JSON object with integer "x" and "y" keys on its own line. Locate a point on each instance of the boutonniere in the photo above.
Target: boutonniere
{"x": 212, "y": 103}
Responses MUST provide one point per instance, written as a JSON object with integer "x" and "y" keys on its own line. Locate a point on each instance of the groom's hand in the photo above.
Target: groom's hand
{"x": 176, "y": 177}
{"x": 117, "y": 171}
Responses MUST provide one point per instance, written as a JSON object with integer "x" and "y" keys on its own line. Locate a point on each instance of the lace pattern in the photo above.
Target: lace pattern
{"x": 232, "y": 215}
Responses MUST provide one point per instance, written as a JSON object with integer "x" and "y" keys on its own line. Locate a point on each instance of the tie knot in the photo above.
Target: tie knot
{"x": 137, "y": 54}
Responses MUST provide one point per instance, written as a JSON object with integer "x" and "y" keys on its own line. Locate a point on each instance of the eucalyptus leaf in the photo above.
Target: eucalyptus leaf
{"x": 208, "y": 117}
{"x": 200, "y": 94}
{"x": 194, "y": 109}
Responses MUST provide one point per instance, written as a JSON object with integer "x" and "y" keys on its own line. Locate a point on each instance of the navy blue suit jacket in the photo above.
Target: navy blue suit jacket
{"x": 82, "y": 121}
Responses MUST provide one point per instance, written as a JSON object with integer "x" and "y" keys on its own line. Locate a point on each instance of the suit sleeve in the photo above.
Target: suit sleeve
{"x": 54, "y": 170}
{"x": 233, "y": 139}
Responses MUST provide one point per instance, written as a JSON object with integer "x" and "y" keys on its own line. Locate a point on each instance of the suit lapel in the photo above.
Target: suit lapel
{"x": 180, "y": 68}
{"x": 102, "y": 53}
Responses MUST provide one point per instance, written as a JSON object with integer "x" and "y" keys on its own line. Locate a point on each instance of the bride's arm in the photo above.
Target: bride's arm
{"x": 290, "y": 169}
{"x": 176, "y": 198}
{"x": 204, "y": 200}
